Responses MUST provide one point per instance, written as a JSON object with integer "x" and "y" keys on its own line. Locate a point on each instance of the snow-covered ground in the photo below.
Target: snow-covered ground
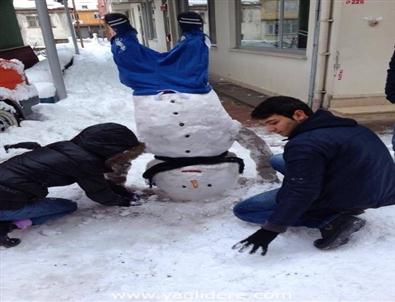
{"x": 173, "y": 251}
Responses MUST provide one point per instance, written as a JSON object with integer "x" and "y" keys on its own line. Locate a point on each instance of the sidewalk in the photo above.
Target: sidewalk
{"x": 240, "y": 101}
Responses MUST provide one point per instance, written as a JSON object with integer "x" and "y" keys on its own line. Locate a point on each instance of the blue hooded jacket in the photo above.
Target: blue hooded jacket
{"x": 147, "y": 72}
{"x": 333, "y": 164}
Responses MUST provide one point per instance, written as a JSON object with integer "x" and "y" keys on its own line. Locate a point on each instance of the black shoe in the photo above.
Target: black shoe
{"x": 338, "y": 232}
{"x": 9, "y": 242}
{"x": 5, "y": 228}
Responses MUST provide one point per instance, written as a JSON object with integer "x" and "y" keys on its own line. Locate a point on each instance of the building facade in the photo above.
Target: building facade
{"x": 29, "y": 25}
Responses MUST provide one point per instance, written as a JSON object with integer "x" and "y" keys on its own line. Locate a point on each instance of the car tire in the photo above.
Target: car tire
{"x": 7, "y": 119}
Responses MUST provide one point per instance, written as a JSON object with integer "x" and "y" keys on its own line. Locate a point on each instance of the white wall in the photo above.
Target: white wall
{"x": 85, "y": 4}
{"x": 363, "y": 51}
{"x": 270, "y": 72}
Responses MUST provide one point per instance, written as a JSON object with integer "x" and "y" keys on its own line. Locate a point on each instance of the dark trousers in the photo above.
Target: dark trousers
{"x": 258, "y": 208}
{"x": 41, "y": 211}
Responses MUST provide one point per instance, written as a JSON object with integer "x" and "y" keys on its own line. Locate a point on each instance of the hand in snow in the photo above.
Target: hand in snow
{"x": 132, "y": 200}
{"x": 260, "y": 238}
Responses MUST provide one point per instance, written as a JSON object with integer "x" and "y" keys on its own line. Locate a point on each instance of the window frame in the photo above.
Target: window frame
{"x": 37, "y": 23}
{"x": 279, "y": 49}
{"x": 212, "y": 30}
{"x": 149, "y": 10}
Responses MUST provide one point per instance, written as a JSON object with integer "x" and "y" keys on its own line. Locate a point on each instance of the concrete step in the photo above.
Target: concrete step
{"x": 244, "y": 95}
{"x": 366, "y": 113}
{"x": 365, "y": 101}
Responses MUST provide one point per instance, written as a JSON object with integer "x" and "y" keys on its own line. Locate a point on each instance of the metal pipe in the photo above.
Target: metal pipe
{"x": 77, "y": 21}
{"x": 52, "y": 54}
{"x": 322, "y": 81}
{"x": 314, "y": 56}
{"x": 71, "y": 27}
{"x": 281, "y": 25}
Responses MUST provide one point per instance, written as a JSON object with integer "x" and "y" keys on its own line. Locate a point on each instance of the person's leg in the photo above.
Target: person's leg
{"x": 258, "y": 208}
{"x": 41, "y": 211}
{"x": 278, "y": 163}
{"x": 317, "y": 221}
{"x": 393, "y": 140}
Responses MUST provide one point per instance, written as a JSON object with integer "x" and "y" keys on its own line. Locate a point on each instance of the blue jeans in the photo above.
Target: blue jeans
{"x": 278, "y": 163}
{"x": 41, "y": 211}
{"x": 258, "y": 208}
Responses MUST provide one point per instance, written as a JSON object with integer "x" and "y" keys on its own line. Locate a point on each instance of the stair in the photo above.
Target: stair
{"x": 364, "y": 109}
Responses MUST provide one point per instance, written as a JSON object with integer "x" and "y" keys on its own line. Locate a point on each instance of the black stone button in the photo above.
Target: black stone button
{"x": 187, "y": 151}
{"x": 181, "y": 124}
{"x": 175, "y": 113}
{"x": 187, "y": 135}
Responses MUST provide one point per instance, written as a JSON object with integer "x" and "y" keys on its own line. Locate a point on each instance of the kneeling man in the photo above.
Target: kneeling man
{"x": 334, "y": 169}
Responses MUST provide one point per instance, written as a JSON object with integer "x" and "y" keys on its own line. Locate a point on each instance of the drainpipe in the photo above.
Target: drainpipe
{"x": 71, "y": 27}
{"x": 314, "y": 55}
{"x": 52, "y": 54}
{"x": 321, "y": 53}
{"x": 325, "y": 54}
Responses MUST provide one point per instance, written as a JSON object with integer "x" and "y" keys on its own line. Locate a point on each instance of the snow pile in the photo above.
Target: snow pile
{"x": 14, "y": 64}
{"x": 40, "y": 74}
{"x": 166, "y": 250}
{"x": 26, "y": 4}
{"x": 22, "y": 91}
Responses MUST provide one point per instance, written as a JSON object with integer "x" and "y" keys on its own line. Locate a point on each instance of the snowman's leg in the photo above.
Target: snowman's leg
{"x": 259, "y": 151}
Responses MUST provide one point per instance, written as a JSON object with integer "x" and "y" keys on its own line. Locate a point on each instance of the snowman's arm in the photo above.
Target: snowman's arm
{"x": 259, "y": 151}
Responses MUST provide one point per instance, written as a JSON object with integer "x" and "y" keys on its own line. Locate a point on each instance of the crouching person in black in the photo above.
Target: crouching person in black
{"x": 333, "y": 168}
{"x": 25, "y": 179}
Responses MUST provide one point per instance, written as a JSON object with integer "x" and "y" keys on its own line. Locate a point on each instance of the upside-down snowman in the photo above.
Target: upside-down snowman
{"x": 178, "y": 115}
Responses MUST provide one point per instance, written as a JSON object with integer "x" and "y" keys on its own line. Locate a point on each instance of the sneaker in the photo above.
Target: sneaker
{"x": 338, "y": 232}
{"x": 5, "y": 228}
{"x": 8, "y": 242}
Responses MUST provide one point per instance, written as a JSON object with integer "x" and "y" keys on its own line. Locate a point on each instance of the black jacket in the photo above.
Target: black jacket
{"x": 390, "y": 84}
{"x": 333, "y": 164}
{"x": 26, "y": 178}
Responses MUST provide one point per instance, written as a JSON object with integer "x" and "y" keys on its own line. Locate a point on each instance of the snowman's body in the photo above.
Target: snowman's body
{"x": 177, "y": 113}
{"x": 184, "y": 124}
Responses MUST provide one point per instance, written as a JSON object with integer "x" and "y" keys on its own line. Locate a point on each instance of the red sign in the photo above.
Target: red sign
{"x": 163, "y": 7}
{"x": 355, "y": 1}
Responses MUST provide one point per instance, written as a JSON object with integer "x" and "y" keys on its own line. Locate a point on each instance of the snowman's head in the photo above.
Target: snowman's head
{"x": 196, "y": 182}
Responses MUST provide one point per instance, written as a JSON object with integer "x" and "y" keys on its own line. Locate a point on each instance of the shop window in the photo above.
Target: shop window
{"x": 272, "y": 24}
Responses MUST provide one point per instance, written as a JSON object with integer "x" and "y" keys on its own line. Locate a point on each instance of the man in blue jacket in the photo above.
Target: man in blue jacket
{"x": 334, "y": 169}
{"x": 390, "y": 88}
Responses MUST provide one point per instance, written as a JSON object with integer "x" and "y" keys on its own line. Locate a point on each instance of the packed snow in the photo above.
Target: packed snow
{"x": 26, "y": 4}
{"x": 175, "y": 251}
{"x": 40, "y": 75}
